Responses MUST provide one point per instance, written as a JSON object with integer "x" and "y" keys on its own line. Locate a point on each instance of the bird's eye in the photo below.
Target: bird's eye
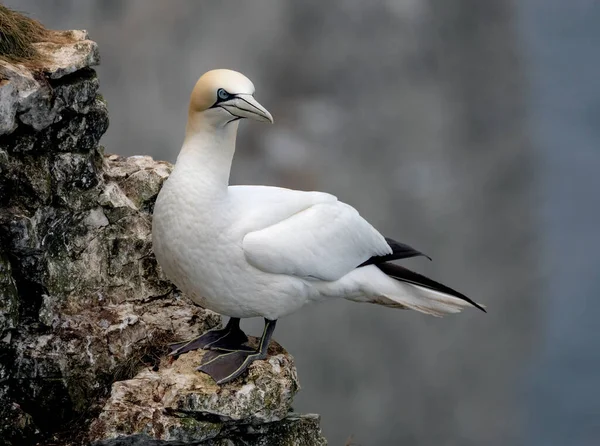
{"x": 222, "y": 94}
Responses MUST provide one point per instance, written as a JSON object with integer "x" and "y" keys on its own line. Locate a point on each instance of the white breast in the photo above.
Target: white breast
{"x": 198, "y": 243}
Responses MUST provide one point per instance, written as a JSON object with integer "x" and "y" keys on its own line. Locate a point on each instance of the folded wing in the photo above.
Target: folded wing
{"x": 325, "y": 241}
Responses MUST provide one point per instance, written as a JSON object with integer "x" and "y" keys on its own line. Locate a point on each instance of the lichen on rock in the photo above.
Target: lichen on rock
{"x": 83, "y": 303}
{"x": 176, "y": 405}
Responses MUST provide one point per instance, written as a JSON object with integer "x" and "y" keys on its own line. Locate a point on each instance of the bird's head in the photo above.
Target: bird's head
{"x": 221, "y": 97}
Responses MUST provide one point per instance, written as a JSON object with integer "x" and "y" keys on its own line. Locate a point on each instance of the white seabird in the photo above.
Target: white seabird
{"x": 258, "y": 251}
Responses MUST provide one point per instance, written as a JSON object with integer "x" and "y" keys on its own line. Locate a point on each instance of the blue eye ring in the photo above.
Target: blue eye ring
{"x": 222, "y": 94}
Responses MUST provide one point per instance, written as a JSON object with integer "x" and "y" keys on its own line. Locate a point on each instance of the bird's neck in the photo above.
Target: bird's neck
{"x": 207, "y": 154}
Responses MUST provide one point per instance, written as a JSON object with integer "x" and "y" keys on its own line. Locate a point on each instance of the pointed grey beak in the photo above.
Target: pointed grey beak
{"x": 245, "y": 106}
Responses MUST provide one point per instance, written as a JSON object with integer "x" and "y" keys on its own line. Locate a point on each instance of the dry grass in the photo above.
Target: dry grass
{"x": 18, "y": 33}
{"x": 146, "y": 354}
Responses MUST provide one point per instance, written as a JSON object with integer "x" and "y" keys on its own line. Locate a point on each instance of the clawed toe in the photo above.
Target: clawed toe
{"x": 225, "y": 349}
{"x": 179, "y": 348}
{"x": 229, "y": 338}
{"x": 176, "y": 346}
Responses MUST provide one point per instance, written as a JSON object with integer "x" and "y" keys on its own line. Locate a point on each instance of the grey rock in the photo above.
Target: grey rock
{"x": 83, "y": 303}
{"x": 177, "y": 405}
{"x": 293, "y": 430}
{"x": 38, "y": 101}
{"x": 9, "y": 300}
{"x": 66, "y": 58}
{"x": 8, "y": 106}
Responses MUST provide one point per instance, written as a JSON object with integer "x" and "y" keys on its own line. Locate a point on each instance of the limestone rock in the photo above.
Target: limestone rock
{"x": 83, "y": 303}
{"x": 9, "y": 303}
{"x": 66, "y": 58}
{"x": 178, "y": 405}
{"x": 29, "y": 97}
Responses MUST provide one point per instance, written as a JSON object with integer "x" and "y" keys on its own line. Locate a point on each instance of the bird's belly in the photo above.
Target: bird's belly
{"x": 208, "y": 264}
{"x": 242, "y": 291}
{"x": 232, "y": 287}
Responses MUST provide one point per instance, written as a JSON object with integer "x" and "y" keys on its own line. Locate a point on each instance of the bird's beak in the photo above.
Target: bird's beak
{"x": 245, "y": 106}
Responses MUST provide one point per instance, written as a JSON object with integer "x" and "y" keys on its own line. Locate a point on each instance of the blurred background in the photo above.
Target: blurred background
{"x": 469, "y": 129}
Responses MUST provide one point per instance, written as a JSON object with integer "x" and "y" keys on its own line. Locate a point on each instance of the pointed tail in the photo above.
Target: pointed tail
{"x": 402, "y": 288}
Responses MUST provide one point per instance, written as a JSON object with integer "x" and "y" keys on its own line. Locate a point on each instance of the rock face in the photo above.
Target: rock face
{"x": 82, "y": 301}
{"x": 176, "y": 405}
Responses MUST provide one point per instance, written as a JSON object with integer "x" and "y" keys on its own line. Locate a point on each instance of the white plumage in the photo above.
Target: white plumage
{"x": 247, "y": 251}
{"x": 324, "y": 241}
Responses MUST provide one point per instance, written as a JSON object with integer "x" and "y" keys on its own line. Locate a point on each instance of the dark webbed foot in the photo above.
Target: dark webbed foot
{"x": 229, "y": 338}
{"x": 226, "y": 366}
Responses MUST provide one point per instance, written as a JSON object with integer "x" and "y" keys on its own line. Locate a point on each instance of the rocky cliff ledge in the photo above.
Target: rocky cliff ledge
{"x": 83, "y": 304}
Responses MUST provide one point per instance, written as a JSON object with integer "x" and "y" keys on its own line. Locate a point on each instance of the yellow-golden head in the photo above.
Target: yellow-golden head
{"x": 225, "y": 96}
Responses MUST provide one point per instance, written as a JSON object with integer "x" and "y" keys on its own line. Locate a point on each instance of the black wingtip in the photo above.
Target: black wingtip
{"x": 478, "y": 306}
{"x": 399, "y": 251}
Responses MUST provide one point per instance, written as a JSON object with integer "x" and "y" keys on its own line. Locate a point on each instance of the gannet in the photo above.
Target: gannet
{"x": 259, "y": 251}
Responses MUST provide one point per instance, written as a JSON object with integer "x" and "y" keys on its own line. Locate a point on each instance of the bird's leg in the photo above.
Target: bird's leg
{"x": 225, "y": 367}
{"x": 229, "y": 338}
